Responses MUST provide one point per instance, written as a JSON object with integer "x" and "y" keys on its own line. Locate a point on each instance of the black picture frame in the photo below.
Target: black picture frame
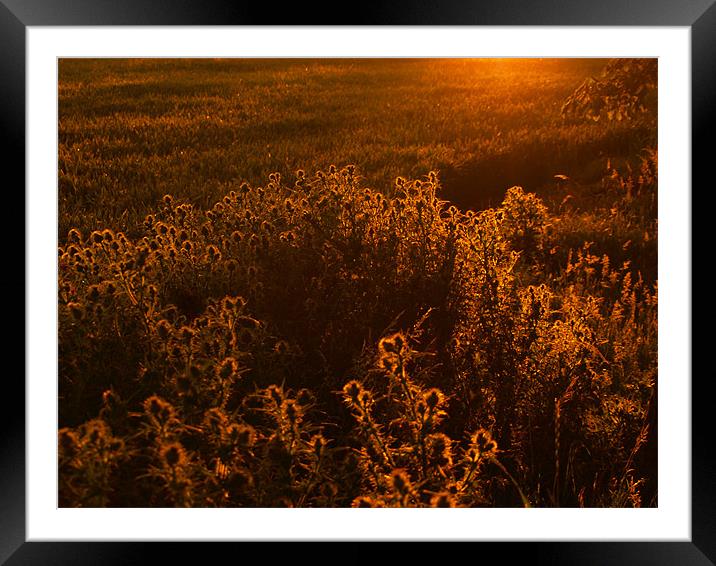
{"x": 699, "y": 15}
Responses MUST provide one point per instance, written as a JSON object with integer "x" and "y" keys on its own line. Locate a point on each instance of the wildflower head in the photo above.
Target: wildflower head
{"x": 173, "y": 455}
{"x": 438, "y": 449}
{"x": 227, "y": 368}
{"x": 241, "y": 435}
{"x": 186, "y": 333}
{"x": 482, "y": 442}
{"x": 395, "y": 344}
{"x": 157, "y": 408}
{"x": 76, "y": 310}
{"x": 233, "y": 304}
{"x": 400, "y": 481}
{"x": 74, "y": 236}
{"x": 352, "y": 390}
{"x": 112, "y": 406}
{"x": 393, "y": 351}
{"x": 281, "y": 347}
{"x": 365, "y": 502}
{"x": 164, "y": 329}
{"x": 215, "y": 420}
{"x": 110, "y": 398}
{"x": 365, "y": 398}
{"x": 213, "y": 253}
{"x": 434, "y": 398}
{"x": 442, "y": 500}
{"x": 95, "y": 431}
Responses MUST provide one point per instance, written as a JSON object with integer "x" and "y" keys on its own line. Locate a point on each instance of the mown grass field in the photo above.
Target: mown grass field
{"x": 132, "y": 131}
{"x": 383, "y": 283}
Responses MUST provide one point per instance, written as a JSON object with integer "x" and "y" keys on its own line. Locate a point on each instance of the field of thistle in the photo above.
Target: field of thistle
{"x": 323, "y": 283}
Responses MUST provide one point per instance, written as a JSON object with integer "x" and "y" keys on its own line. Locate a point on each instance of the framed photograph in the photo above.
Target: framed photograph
{"x": 420, "y": 276}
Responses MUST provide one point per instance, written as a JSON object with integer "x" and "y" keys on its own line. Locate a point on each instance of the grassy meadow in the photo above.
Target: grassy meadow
{"x": 346, "y": 282}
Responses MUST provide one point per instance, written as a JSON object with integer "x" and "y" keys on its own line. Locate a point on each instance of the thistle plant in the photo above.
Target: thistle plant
{"x": 316, "y": 342}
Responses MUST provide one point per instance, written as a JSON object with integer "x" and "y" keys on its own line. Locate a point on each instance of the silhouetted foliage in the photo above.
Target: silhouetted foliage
{"x": 317, "y": 343}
